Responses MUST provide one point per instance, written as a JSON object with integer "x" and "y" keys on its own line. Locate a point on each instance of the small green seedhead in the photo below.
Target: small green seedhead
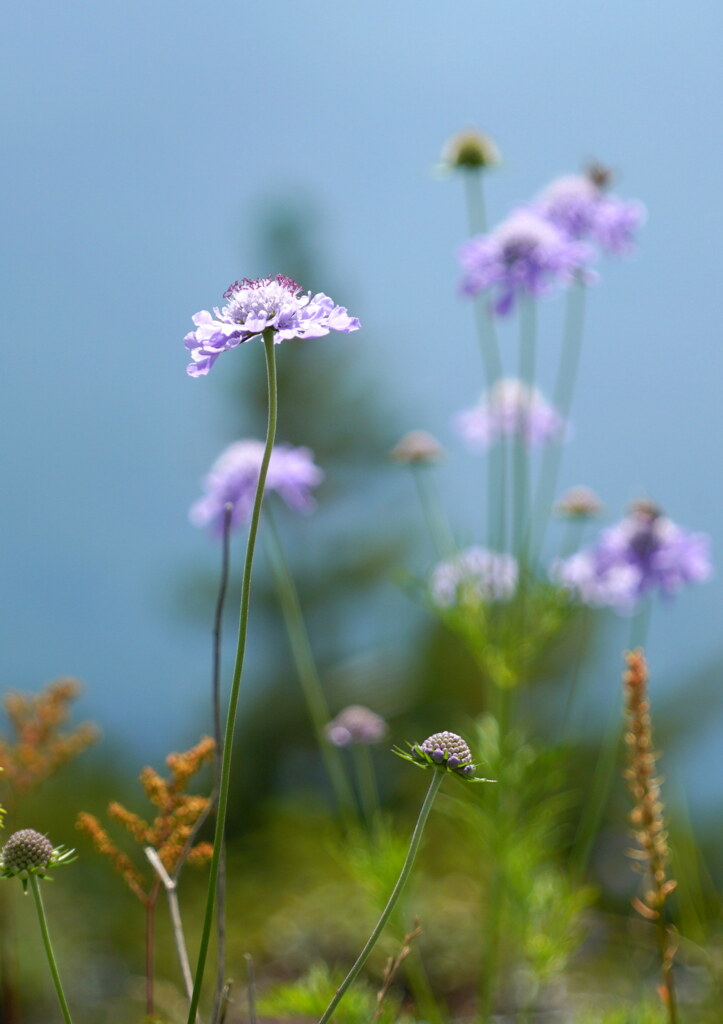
{"x": 445, "y": 750}
{"x": 27, "y": 852}
{"x": 470, "y": 150}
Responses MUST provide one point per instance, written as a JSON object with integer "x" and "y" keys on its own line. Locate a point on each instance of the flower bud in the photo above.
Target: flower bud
{"x": 578, "y": 503}
{"x": 470, "y": 150}
{"x": 417, "y": 447}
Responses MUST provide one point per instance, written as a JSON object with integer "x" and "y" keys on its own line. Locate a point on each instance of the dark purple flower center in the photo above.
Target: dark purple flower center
{"x": 246, "y": 284}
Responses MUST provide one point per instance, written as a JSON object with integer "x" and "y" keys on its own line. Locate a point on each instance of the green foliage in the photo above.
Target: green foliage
{"x": 508, "y": 639}
{"x": 516, "y": 828}
{"x": 308, "y": 997}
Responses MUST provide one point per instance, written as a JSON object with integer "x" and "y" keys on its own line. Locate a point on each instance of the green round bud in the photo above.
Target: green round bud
{"x": 470, "y": 150}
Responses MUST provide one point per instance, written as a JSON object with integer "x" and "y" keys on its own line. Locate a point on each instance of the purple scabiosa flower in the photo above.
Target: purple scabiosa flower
{"x": 235, "y": 475}
{"x": 445, "y": 751}
{"x": 510, "y": 409}
{"x": 642, "y": 553}
{"x": 474, "y": 575}
{"x": 356, "y": 724}
{"x": 579, "y": 205}
{"x": 525, "y": 255}
{"x": 252, "y": 307}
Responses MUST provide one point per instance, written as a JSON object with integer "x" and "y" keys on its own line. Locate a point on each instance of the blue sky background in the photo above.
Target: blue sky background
{"x": 140, "y": 142}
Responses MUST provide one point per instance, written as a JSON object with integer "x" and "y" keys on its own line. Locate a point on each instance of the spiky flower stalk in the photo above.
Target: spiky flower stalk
{"x": 647, "y": 820}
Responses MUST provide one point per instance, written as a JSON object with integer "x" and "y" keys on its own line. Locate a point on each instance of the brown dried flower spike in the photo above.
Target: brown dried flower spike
{"x": 39, "y": 747}
{"x": 653, "y": 853}
{"x": 171, "y": 829}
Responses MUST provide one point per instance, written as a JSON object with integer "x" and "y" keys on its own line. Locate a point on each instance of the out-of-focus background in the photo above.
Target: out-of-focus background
{"x": 155, "y": 153}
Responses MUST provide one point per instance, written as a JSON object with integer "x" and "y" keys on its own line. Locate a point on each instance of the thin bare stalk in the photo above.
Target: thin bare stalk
{"x": 251, "y": 973}
{"x": 170, "y": 885}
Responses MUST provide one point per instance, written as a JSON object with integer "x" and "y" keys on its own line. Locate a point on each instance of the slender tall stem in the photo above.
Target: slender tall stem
{"x": 437, "y": 777}
{"x": 521, "y": 475}
{"x": 562, "y": 397}
{"x": 150, "y": 907}
{"x": 492, "y": 363}
{"x": 236, "y": 679}
{"x": 498, "y": 881}
{"x": 49, "y": 948}
{"x": 366, "y": 780}
{"x": 437, "y": 524}
{"x": 306, "y": 668}
{"x": 218, "y": 735}
{"x": 171, "y": 887}
{"x": 475, "y": 197}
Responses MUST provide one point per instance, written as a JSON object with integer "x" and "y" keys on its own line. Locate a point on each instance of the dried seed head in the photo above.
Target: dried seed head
{"x": 470, "y": 150}
{"x": 579, "y": 503}
{"x": 417, "y": 447}
{"x": 26, "y": 850}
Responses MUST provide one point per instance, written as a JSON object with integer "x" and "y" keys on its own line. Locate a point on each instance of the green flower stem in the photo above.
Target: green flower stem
{"x": 562, "y": 398}
{"x": 366, "y": 780}
{"x": 492, "y": 362}
{"x": 475, "y": 196}
{"x": 33, "y": 879}
{"x": 437, "y": 778}
{"x": 236, "y": 679}
{"x": 604, "y": 776}
{"x": 306, "y": 669}
{"x": 437, "y": 524}
{"x": 521, "y": 455}
{"x": 498, "y": 881}
{"x": 218, "y": 738}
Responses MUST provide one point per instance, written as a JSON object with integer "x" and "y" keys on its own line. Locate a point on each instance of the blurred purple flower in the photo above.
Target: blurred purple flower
{"x": 642, "y": 553}
{"x": 525, "y": 255}
{"x": 235, "y": 474}
{"x": 356, "y": 724}
{"x": 579, "y": 206}
{"x": 474, "y": 575}
{"x": 510, "y": 409}
{"x": 252, "y": 307}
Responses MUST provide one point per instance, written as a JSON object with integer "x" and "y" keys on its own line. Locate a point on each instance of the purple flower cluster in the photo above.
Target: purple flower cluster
{"x": 252, "y": 307}
{"x": 473, "y": 576}
{"x": 234, "y": 477}
{"x": 356, "y": 724}
{"x": 642, "y": 553}
{"x": 510, "y": 409}
{"x": 525, "y": 255}
{"x": 579, "y": 206}
{"x": 550, "y": 241}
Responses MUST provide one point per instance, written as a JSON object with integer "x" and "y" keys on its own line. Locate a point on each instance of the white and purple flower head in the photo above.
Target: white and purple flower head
{"x": 473, "y": 576}
{"x": 510, "y": 409}
{"x": 643, "y": 553}
{"x": 252, "y": 307}
{"x": 235, "y": 474}
{"x": 579, "y": 205}
{"x": 525, "y": 255}
{"x": 356, "y": 724}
